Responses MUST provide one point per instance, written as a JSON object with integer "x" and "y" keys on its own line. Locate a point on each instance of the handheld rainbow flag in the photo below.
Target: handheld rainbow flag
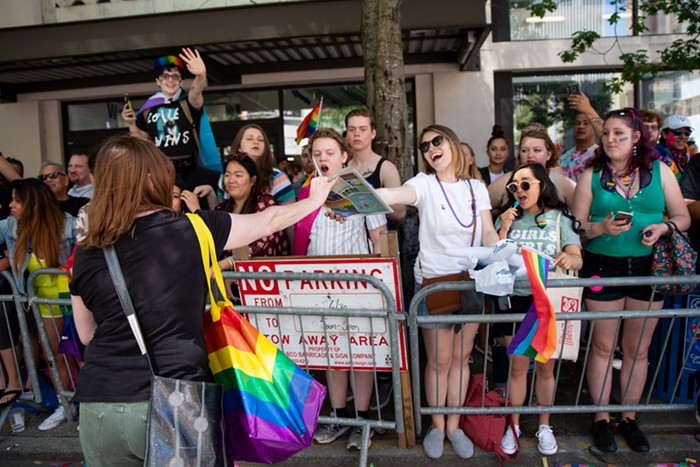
{"x": 537, "y": 336}
{"x": 308, "y": 126}
{"x": 271, "y": 405}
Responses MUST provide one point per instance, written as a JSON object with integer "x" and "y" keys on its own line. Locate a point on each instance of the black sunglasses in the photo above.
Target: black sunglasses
{"x": 425, "y": 145}
{"x": 235, "y": 156}
{"x": 52, "y": 175}
{"x": 525, "y": 185}
{"x": 682, "y": 132}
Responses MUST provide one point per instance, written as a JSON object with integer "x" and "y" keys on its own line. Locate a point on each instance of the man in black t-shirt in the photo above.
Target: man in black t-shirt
{"x": 690, "y": 187}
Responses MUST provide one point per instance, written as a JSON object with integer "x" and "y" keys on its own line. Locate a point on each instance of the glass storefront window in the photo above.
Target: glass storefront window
{"x": 338, "y": 101}
{"x": 569, "y": 17}
{"x": 674, "y": 93}
{"x": 242, "y": 105}
{"x": 543, "y": 99}
{"x": 103, "y": 115}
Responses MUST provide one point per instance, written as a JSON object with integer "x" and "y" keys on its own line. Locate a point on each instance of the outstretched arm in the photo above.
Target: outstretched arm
{"x": 196, "y": 66}
{"x": 246, "y": 228}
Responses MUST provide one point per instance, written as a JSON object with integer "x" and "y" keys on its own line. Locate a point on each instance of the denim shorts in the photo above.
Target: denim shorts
{"x": 472, "y": 304}
{"x": 612, "y": 266}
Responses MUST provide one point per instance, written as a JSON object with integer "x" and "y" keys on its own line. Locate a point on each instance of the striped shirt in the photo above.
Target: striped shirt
{"x": 329, "y": 237}
{"x": 281, "y": 188}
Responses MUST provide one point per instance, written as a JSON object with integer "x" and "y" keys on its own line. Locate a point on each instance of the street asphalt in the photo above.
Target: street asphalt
{"x": 674, "y": 437}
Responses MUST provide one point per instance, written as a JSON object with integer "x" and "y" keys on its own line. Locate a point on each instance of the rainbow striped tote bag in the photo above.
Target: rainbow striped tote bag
{"x": 271, "y": 406}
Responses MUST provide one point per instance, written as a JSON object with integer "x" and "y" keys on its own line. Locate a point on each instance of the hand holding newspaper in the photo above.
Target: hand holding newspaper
{"x": 352, "y": 196}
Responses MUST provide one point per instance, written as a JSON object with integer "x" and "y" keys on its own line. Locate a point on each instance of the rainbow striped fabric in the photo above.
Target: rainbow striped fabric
{"x": 271, "y": 405}
{"x": 537, "y": 335}
{"x": 308, "y": 126}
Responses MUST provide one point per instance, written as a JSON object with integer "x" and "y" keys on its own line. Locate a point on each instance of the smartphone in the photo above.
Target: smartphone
{"x": 623, "y": 216}
{"x": 574, "y": 89}
{"x": 127, "y": 102}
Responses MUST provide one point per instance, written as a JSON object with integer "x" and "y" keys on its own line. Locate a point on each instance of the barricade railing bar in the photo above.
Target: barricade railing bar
{"x": 389, "y": 312}
{"x": 414, "y": 321}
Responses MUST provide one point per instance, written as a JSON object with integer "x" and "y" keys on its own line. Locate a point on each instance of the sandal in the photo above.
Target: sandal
{"x": 14, "y": 393}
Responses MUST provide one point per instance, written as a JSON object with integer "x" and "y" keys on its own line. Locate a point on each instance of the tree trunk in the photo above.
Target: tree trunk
{"x": 385, "y": 80}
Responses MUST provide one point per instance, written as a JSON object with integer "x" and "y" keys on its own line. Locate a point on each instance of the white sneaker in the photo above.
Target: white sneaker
{"x": 547, "y": 442}
{"x": 509, "y": 442}
{"x": 58, "y": 417}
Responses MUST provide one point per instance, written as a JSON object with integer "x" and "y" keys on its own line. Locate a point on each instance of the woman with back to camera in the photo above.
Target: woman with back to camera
{"x": 160, "y": 257}
{"x": 454, "y": 212}
{"x": 624, "y": 175}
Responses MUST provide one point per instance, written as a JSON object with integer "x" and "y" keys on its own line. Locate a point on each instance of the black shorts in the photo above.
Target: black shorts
{"x": 613, "y": 266}
{"x": 518, "y": 304}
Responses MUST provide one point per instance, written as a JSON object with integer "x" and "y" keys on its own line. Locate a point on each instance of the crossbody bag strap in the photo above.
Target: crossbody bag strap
{"x": 186, "y": 110}
{"x": 115, "y": 271}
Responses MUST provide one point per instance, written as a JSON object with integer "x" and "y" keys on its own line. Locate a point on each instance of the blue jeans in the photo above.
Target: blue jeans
{"x": 113, "y": 434}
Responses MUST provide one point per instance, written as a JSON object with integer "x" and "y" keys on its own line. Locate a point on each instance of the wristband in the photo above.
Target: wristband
{"x": 578, "y": 261}
{"x": 230, "y": 260}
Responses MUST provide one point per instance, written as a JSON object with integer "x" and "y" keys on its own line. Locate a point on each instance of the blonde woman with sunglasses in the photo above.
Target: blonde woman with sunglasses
{"x": 536, "y": 147}
{"x": 454, "y": 211}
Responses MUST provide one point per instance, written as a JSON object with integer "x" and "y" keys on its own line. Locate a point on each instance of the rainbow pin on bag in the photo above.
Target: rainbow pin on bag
{"x": 271, "y": 406}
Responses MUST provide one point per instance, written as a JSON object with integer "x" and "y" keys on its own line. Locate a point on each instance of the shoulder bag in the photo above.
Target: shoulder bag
{"x": 449, "y": 301}
{"x": 184, "y": 417}
{"x": 672, "y": 257}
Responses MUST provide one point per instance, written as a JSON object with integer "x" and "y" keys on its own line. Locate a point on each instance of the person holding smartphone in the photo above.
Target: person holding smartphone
{"x": 624, "y": 175}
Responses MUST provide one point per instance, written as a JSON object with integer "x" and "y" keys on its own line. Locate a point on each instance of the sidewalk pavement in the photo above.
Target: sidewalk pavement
{"x": 674, "y": 436}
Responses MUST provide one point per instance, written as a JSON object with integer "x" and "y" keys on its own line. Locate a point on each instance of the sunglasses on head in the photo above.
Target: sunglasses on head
{"x": 425, "y": 145}
{"x": 237, "y": 156}
{"x": 682, "y": 132}
{"x": 524, "y": 185}
{"x": 52, "y": 175}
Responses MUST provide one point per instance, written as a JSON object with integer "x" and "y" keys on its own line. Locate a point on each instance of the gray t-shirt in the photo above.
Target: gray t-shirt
{"x": 543, "y": 236}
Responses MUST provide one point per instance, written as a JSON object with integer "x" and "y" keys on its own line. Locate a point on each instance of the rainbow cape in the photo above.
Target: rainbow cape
{"x": 308, "y": 126}
{"x": 537, "y": 335}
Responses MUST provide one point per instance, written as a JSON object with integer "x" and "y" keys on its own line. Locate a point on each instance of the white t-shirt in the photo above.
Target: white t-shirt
{"x": 439, "y": 230}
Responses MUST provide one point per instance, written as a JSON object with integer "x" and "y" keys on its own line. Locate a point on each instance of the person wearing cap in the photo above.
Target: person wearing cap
{"x": 171, "y": 117}
{"x": 672, "y": 149}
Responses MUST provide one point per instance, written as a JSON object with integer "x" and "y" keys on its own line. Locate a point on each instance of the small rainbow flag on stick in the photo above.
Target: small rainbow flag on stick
{"x": 308, "y": 126}
{"x": 537, "y": 336}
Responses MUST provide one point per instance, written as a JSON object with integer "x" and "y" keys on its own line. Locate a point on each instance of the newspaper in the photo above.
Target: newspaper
{"x": 353, "y": 197}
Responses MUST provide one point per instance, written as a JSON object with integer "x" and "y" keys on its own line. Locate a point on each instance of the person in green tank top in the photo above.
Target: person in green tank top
{"x": 624, "y": 175}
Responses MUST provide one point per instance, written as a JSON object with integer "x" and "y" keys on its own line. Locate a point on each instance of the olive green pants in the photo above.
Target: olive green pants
{"x": 113, "y": 434}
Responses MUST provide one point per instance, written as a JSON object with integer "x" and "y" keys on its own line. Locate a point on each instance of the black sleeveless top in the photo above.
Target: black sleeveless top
{"x": 374, "y": 179}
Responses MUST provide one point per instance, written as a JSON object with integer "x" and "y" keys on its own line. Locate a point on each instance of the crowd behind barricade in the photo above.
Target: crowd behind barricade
{"x": 596, "y": 208}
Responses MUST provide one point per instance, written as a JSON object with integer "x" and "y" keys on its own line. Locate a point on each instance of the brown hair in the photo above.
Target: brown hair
{"x": 265, "y": 162}
{"x": 459, "y": 161}
{"x": 651, "y": 116}
{"x": 473, "y": 170}
{"x": 539, "y": 132}
{"x": 41, "y": 224}
{"x": 329, "y": 133}
{"x": 361, "y": 113}
{"x": 131, "y": 176}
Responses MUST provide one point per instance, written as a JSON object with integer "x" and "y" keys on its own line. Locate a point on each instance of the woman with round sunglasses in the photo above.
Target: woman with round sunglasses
{"x": 536, "y": 146}
{"x": 454, "y": 211}
{"x": 624, "y": 175}
{"x": 536, "y": 218}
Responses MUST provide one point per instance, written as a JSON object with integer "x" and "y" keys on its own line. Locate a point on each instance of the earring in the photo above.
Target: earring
{"x": 634, "y": 151}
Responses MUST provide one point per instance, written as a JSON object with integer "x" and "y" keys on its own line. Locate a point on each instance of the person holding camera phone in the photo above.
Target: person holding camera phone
{"x": 624, "y": 175}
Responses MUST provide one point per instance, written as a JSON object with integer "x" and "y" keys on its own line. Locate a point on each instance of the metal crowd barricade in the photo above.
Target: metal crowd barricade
{"x": 391, "y": 315}
{"x": 18, "y": 300}
{"x": 65, "y": 395}
{"x": 415, "y": 321}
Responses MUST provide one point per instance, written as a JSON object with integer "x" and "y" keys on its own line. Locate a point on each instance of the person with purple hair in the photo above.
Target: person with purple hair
{"x": 625, "y": 174}
{"x": 171, "y": 117}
